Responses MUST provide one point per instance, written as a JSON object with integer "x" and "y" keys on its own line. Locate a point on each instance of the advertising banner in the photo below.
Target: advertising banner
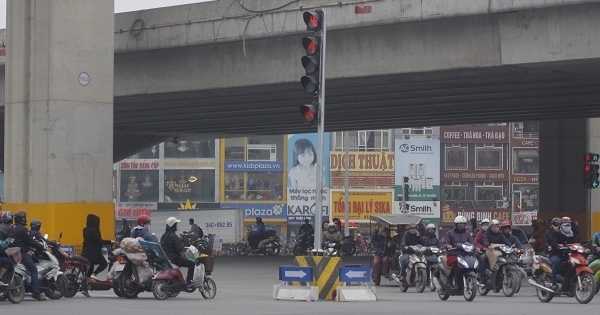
{"x": 448, "y": 214}
{"x": 131, "y": 210}
{"x": 302, "y": 175}
{"x": 253, "y": 166}
{"x": 362, "y": 204}
{"x": 139, "y": 164}
{"x": 468, "y": 134}
{"x": 366, "y": 169}
{"x": 265, "y": 211}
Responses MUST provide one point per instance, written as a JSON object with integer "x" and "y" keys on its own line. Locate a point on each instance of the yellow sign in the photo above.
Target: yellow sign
{"x": 362, "y": 204}
{"x": 362, "y": 161}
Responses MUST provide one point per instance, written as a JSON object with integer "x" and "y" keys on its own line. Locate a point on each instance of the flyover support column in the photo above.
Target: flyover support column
{"x": 562, "y": 145}
{"x": 59, "y": 113}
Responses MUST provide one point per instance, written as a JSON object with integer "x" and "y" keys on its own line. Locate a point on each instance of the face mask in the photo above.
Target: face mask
{"x": 461, "y": 228}
{"x": 495, "y": 229}
{"x": 566, "y": 228}
{"x": 431, "y": 232}
{"x": 331, "y": 230}
{"x": 485, "y": 227}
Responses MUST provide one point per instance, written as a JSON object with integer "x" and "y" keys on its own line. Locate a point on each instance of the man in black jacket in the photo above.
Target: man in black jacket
{"x": 411, "y": 238}
{"x": 92, "y": 246}
{"x": 21, "y": 238}
{"x": 491, "y": 236}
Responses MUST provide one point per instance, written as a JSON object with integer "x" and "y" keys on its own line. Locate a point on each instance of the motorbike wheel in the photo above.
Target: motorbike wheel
{"x": 158, "y": 291}
{"x": 421, "y": 280}
{"x": 299, "y": 250}
{"x": 431, "y": 284}
{"x": 483, "y": 290}
{"x": 56, "y": 288}
{"x": 128, "y": 285}
{"x": 17, "y": 294}
{"x": 470, "y": 291}
{"x": 510, "y": 282}
{"x": 272, "y": 249}
{"x": 72, "y": 285}
{"x": 116, "y": 288}
{"x": 241, "y": 249}
{"x": 443, "y": 294}
{"x": 208, "y": 289}
{"x": 585, "y": 293}
{"x": 544, "y": 296}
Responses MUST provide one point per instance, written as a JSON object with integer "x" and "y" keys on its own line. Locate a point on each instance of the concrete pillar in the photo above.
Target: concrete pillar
{"x": 59, "y": 113}
{"x": 562, "y": 145}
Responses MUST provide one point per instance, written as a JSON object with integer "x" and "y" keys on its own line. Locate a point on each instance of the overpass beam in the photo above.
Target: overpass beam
{"x": 59, "y": 113}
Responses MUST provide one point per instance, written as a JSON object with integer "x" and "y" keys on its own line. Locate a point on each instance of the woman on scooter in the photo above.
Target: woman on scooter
{"x": 173, "y": 248}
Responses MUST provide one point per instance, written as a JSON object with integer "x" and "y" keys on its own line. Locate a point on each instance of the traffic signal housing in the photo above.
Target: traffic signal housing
{"x": 310, "y": 112}
{"x": 311, "y": 62}
{"x": 591, "y": 171}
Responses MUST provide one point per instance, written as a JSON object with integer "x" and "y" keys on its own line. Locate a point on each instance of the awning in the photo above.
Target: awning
{"x": 395, "y": 219}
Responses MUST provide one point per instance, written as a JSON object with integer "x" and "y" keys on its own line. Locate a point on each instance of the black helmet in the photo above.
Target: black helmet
{"x": 7, "y": 217}
{"x": 35, "y": 225}
{"x": 21, "y": 217}
{"x": 258, "y": 219}
{"x": 555, "y": 221}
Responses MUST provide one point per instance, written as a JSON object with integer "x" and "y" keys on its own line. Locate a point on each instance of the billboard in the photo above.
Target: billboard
{"x": 302, "y": 175}
{"x": 419, "y": 161}
{"x": 365, "y": 169}
{"x": 362, "y": 204}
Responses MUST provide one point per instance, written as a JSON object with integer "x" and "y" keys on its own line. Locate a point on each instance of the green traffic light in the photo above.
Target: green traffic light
{"x": 595, "y": 184}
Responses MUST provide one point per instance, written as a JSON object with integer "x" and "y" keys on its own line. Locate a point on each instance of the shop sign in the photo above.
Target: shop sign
{"x": 362, "y": 204}
{"x": 255, "y": 210}
{"x": 448, "y": 214}
{"x": 131, "y": 210}
{"x": 253, "y": 166}
{"x": 362, "y": 180}
{"x": 135, "y": 164}
{"x": 190, "y": 163}
{"x": 362, "y": 161}
{"x": 474, "y": 134}
{"x": 475, "y": 175}
{"x": 525, "y": 179}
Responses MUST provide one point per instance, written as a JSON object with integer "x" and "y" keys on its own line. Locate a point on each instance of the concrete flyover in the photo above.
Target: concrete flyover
{"x": 218, "y": 69}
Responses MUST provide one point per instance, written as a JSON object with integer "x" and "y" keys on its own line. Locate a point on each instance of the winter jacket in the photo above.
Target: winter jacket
{"x": 38, "y": 237}
{"x": 410, "y": 240}
{"x": 4, "y": 230}
{"x": 140, "y": 231}
{"x": 92, "y": 240}
{"x": 197, "y": 231}
{"x": 490, "y": 237}
{"x": 555, "y": 238}
{"x": 431, "y": 240}
{"x": 384, "y": 245}
{"x": 478, "y": 239}
{"x": 21, "y": 238}
{"x": 454, "y": 237}
{"x": 171, "y": 244}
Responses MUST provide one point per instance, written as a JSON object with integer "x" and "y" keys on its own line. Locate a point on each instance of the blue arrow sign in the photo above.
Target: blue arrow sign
{"x": 355, "y": 274}
{"x": 295, "y": 273}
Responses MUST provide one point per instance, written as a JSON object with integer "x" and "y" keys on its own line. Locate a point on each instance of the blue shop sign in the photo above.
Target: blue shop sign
{"x": 253, "y": 166}
{"x": 254, "y": 210}
{"x": 298, "y": 220}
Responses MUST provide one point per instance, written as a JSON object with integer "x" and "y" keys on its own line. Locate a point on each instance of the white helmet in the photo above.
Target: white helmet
{"x": 494, "y": 222}
{"x": 460, "y": 219}
{"x": 486, "y": 220}
{"x": 430, "y": 226}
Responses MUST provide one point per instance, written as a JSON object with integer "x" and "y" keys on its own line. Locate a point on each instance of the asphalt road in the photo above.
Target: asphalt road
{"x": 245, "y": 286}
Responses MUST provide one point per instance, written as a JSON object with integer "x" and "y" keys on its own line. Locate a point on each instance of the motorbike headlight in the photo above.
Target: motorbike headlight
{"x": 463, "y": 262}
{"x": 476, "y": 264}
{"x": 468, "y": 248}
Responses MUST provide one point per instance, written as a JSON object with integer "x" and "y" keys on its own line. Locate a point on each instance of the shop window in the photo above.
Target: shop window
{"x": 234, "y": 149}
{"x": 150, "y": 153}
{"x": 489, "y": 158}
{"x": 488, "y": 197}
{"x": 258, "y": 186}
{"x": 456, "y": 158}
{"x": 139, "y": 186}
{"x": 526, "y": 161}
{"x": 191, "y": 184}
{"x": 529, "y": 197}
{"x": 190, "y": 149}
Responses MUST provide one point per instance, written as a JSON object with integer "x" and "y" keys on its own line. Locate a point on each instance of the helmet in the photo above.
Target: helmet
{"x": 430, "y": 226}
{"x": 21, "y": 217}
{"x": 494, "y": 222}
{"x": 411, "y": 226}
{"x": 172, "y": 221}
{"x": 7, "y": 217}
{"x": 505, "y": 224}
{"x": 555, "y": 221}
{"x": 258, "y": 219}
{"x": 486, "y": 220}
{"x": 143, "y": 219}
{"x": 565, "y": 220}
{"x": 330, "y": 224}
{"x": 460, "y": 219}
{"x": 35, "y": 224}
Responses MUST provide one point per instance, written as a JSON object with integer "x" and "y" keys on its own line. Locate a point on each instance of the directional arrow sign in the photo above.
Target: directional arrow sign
{"x": 295, "y": 273}
{"x": 355, "y": 274}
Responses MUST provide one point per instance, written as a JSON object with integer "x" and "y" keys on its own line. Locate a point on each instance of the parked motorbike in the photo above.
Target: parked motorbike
{"x": 15, "y": 290}
{"x": 574, "y": 276}
{"x": 52, "y": 281}
{"x": 416, "y": 269}
{"x": 504, "y": 273}
{"x": 304, "y": 244}
{"x": 464, "y": 268}
{"x": 170, "y": 282}
{"x": 269, "y": 246}
{"x": 201, "y": 243}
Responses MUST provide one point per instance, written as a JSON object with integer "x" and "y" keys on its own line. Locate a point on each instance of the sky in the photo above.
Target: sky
{"x": 120, "y": 6}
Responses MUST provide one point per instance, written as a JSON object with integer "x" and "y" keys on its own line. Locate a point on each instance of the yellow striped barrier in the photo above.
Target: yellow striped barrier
{"x": 326, "y": 274}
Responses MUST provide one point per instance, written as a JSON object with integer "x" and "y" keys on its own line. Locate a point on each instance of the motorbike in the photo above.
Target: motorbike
{"x": 574, "y": 276}
{"x": 304, "y": 244}
{"x": 15, "y": 290}
{"x": 348, "y": 246}
{"x": 52, "y": 281}
{"x": 331, "y": 249}
{"x": 170, "y": 282}
{"x": 138, "y": 271}
{"x": 416, "y": 269}
{"x": 431, "y": 255}
{"x": 464, "y": 268}
{"x": 504, "y": 273}
{"x": 201, "y": 243}
{"x": 269, "y": 246}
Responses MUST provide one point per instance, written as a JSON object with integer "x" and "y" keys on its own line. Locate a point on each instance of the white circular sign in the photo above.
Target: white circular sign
{"x": 84, "y": 78}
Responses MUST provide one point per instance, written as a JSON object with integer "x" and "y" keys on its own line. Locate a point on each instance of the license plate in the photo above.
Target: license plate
{"x": 119, "y": 267}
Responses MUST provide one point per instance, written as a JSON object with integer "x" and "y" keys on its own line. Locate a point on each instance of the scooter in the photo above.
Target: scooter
{"x": 331, "y": 249}
{"x": 201, "y": 243}
{"x": 137, "y": 274}
{"x": 15, "y": 290}
{"x": 269, "y": 246}
{"x": 304, "y": 244}
{"x": 504, "y": 273}
{"x": 170, "y": 282}
{"x": 52, "y": 281}
{"x": 416, "y": 269}
{"x": 448, "y": 279}
{"x": 431, "y": 255}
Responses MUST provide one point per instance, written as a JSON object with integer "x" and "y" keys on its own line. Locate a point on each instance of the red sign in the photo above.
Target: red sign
{"x": 363, "y": 180}
{"x": 152, "y": 164}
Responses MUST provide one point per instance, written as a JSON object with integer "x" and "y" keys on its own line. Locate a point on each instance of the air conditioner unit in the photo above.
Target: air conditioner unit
{"x": 518, "y": 125}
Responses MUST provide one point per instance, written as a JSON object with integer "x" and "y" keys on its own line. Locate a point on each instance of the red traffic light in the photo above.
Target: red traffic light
{"x": 591, "y": 157}
{"x": 311, "y": 45}
{"x": 587, "y": 168}
{"x": 313, "y": 20}
{"x": 309, "y": 112}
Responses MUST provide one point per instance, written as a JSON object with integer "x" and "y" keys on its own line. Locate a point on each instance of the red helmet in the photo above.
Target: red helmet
{"x": 505, "y": 224}
{"x": 565, "y": 220}
{"x": 143, "y": 219}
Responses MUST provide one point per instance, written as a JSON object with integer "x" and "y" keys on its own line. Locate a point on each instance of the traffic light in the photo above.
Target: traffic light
{"x": 312, "y": 45}
{"x": 591, "y": 171}
{"x": 310, "y": 112}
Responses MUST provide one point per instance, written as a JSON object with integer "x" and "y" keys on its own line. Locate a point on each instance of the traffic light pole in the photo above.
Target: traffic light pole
{"x": 320, "y": 140}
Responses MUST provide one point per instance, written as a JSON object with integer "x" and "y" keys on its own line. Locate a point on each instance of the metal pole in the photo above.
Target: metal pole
{"x": 320, "y": 141}
{"x": 346, "y": 187}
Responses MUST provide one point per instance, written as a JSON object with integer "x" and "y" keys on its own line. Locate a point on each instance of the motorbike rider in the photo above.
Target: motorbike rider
{"x": 338, "y": 225}
{"x": 430, "y": 239}
{"x": 492, "y": 236}
{"x": 411, "y": 238}
{"x": 171, "y": 244}
{"x": 595, "y": 248}
{"x": 6, "y": 225}
{"x": 539, "y": 235}
{"x": 306, "y": 228}
{"x": 384, "y": 249}
{"x": 125, "y": 230}
{"x": 332, "y": 235}
{"x": 36, "y": 226}
{"x": 21, "y": 238}
{"x": 455, "y": 236}
{"x": 195, "y": 229}
{"x": 485, "y": 225}
{"x": 143, "y": 229}
{"x": 92, "y": 247}
{"x": 506, "y": 228}
{"x": 255, "y": 238}
{"x": 560, "y": 235}
{"x": 5, "y": 262}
